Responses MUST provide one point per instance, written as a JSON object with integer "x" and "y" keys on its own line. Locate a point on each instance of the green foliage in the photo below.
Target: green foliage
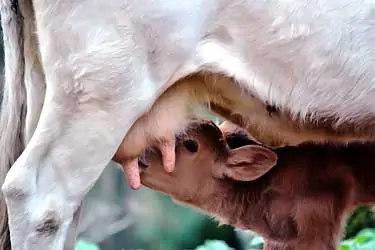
{"x": 365, "y": 240}
{"x": 174, "y": 227}
{"x": 256, "y": 243}
{"x": 361, "y": 218}
{"x": 214, "y": 245}
{"x": 86, "y": 245}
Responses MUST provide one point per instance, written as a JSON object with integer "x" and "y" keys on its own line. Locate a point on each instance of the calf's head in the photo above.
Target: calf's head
{"x": 204, "y": 165}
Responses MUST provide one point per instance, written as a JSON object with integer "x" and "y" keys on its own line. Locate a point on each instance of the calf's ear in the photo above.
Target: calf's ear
{"x": 249, "y": 162}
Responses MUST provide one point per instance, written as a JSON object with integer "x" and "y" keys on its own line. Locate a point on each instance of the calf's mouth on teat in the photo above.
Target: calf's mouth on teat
{"x": 203, "y": 158}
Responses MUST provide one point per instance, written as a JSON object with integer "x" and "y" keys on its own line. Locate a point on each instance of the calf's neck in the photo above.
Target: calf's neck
{"x": 295, "y": 197}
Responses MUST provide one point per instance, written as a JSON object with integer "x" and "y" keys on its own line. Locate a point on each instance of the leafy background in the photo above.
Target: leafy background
{"x": 117, "y": 218}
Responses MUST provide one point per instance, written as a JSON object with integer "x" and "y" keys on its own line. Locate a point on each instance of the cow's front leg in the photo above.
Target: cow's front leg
{"x": 72, "y": 144}
{"x": 93, "y": 97}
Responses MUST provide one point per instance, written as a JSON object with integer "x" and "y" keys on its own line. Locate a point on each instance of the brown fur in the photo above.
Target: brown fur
{"x": 301, "y": 203}
{"x": 269, "y": 124}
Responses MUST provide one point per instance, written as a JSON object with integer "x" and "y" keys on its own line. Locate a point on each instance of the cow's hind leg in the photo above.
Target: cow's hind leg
{"x": 93, "y": 97}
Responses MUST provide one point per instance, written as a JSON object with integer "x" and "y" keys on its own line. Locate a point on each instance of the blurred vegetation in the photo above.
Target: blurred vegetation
{"x": 360, "y": 219}
{"x": 116, "y": 218}
{"x": 364, "y": 240}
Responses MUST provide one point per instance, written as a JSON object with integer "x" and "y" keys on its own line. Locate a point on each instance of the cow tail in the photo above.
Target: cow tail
{"x": 13, "y": 106}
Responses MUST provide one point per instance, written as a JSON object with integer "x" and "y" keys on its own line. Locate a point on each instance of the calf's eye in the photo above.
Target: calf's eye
{"x": 191, "y": 146}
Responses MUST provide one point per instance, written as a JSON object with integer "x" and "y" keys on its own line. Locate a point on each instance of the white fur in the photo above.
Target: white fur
{"x": 106, "y": 62}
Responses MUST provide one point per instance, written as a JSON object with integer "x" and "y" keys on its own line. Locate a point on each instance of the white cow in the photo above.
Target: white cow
{"x": 86, "y": 70}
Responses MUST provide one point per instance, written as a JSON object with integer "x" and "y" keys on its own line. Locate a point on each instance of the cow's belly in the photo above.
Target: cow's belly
{"x": 321, "y": 81}
{"x": 275, "y": 126}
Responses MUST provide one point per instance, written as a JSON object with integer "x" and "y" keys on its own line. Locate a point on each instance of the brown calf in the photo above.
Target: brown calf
{"x": 299, "y": 203}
